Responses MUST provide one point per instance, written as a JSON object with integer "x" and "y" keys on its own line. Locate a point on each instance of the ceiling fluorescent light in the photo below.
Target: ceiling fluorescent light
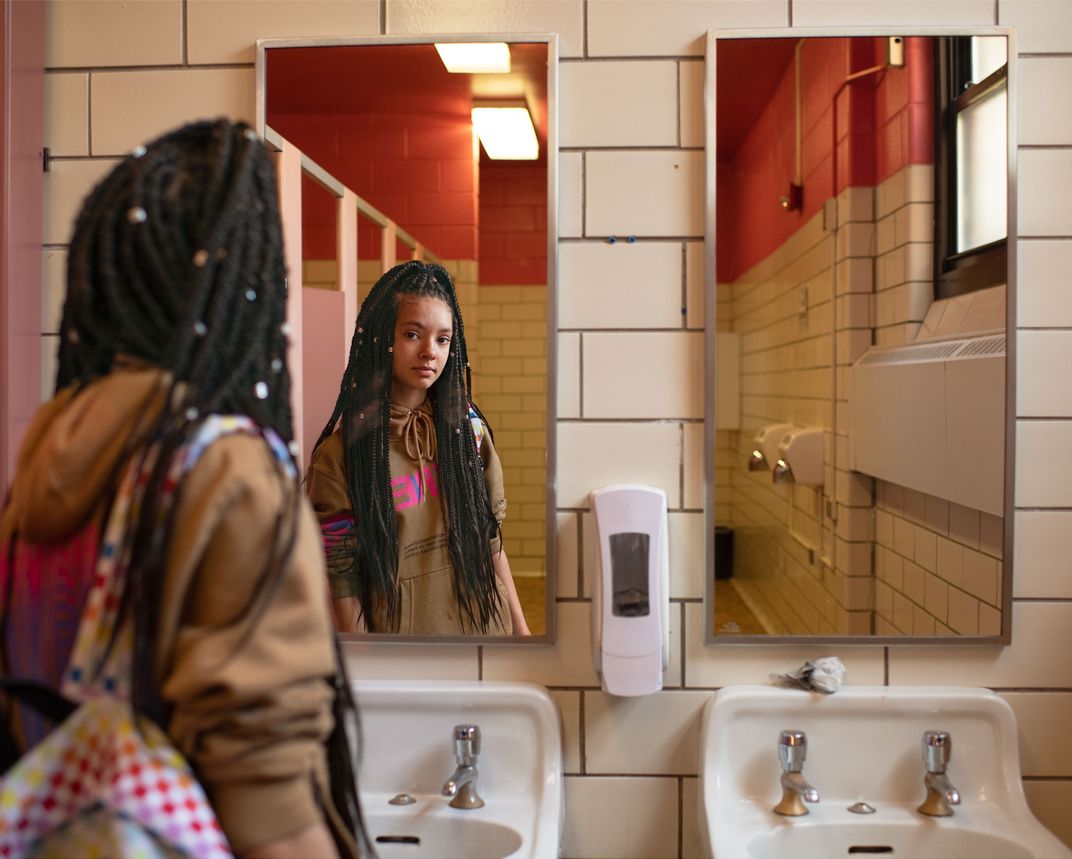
{"x": 506, "y": 132}
{"x": 474, "y": 57}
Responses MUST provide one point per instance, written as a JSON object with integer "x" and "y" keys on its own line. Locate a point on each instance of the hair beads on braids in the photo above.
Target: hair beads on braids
{"x": 176, "y": 260}
{"x": 363, "y": 407}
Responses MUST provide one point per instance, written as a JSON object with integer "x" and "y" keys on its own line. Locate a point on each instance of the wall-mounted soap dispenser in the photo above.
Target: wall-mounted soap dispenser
{"x": 629, "y": 558}
{"x": 800, "y": 457}
{"x": 765, "y": 446}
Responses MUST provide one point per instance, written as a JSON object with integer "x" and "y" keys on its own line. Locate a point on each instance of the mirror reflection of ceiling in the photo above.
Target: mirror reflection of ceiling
{"x": 400, "y": 79}
{"x": 394, "y": 125}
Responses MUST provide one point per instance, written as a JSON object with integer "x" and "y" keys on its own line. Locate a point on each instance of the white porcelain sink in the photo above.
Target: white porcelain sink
{"x": 864, "y": 744}
{"x": 407, "y": 729}
{"x": 416, "y": 833}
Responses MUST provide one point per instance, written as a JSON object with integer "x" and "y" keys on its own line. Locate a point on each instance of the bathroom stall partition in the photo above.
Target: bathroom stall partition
{"x": 322, "y": 316}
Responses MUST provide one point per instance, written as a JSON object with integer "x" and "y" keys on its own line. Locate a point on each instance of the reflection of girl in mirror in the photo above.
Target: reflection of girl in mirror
{"x": 409, "y": 452}
{"x": 174, "y": 326}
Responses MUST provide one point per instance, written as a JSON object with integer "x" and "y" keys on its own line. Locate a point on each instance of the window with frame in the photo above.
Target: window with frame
{"x": 971, "y": 176}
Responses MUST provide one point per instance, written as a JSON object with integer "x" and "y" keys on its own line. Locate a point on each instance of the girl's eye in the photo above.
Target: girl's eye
{"x": 444, "y": 341}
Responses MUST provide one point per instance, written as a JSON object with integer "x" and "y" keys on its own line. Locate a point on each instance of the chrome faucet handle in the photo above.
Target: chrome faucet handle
{"x": 466, "y": 744}
{"x": 937, "y": 747}
{"x": 792, "y": 750}
{"x": 941, "y": 794}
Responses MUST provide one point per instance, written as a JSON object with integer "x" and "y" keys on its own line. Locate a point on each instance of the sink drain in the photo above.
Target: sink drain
{"x": 397, "y": 839}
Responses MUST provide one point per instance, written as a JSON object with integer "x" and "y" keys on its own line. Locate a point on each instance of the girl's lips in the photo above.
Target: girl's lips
{"x": 424, "y": 371}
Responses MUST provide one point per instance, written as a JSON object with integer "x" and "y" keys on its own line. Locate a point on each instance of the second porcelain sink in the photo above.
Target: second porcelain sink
{"x": 407, "y": 748}
{"x": 904, "y": 838}
{"x": 864, "y": 744}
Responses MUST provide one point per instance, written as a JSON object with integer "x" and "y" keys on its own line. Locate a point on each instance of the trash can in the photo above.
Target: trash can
{"x": 723, "y": 552}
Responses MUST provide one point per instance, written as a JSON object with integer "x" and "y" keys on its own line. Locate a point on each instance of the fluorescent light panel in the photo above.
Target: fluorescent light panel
{"x": 474, "y": 57}
{"x": 507, "y": 133}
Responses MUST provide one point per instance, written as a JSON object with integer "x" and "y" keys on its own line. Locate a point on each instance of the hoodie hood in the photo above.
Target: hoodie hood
{"x": 72, "y": 449}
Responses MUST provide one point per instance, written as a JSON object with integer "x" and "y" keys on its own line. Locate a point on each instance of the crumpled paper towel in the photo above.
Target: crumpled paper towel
{"x": 822, "y": 675}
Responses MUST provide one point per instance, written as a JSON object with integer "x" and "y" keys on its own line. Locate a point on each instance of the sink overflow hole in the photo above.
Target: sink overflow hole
{"x": 869, "y": 848}
{"x": 397, "y": 839}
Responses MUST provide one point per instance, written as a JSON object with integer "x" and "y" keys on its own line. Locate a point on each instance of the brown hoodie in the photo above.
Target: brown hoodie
{"x": 252, "y": 718}
{"x": 427, "y": 601}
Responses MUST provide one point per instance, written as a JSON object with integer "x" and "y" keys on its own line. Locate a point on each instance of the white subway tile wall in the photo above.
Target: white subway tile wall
{"x": 193, "y": 57}
{"x": 605, "y": 103}
{"x": 165, "y": 99}
{"x": 226, "y": 31}
{"x": 67, "y": 113}
{"x": 931, "y": 554}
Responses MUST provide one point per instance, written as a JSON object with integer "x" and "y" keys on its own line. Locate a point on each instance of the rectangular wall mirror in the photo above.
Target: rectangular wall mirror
{"x": 860, "y": 421}
{"x": 392, "y": 167}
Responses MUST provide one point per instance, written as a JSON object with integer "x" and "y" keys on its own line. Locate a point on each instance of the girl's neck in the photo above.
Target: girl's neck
{"x": 411, "y": 400}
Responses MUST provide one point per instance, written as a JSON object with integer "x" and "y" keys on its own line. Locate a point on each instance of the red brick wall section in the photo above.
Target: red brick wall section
{"x": 418, "y": 170}
{"x": 513, "y": 223}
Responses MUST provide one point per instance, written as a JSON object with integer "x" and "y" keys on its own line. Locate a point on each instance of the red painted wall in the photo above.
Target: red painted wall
{"x": 513, "y": 222}
{"x": 884, "y": 122}
{"x": 419, "y": 170}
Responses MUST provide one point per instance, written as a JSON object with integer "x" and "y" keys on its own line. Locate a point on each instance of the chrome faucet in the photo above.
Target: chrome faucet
{"x": 937, "y": 747}
{"x": 462, "y": 785}
{"x": 792, "y": 749}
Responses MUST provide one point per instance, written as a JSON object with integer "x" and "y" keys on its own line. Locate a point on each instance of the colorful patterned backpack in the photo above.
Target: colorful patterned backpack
{"x": 105, "y": 782}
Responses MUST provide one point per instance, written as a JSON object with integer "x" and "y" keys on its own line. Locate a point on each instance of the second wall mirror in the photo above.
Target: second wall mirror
{"x": 391, "y": 126}
{"x": 860, "y": 420}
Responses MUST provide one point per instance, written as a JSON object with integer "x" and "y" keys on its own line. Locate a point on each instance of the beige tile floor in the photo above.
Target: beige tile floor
{"x": 531, "y": 590}
{"x": 732, "y": 616}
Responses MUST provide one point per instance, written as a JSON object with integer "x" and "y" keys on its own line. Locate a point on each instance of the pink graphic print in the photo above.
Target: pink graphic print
{"x": 409, "y": 490}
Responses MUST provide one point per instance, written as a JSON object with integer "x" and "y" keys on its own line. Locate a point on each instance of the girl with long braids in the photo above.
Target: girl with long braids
{"x": 175, "y": 312}
{"x": 404, "y": 477}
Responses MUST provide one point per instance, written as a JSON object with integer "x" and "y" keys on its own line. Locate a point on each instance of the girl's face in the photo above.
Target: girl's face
{"x": 423, "y": 330}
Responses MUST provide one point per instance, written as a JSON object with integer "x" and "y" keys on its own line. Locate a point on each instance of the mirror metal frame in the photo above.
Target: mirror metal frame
{"x": 551, "y": 40}
{"x": 710, "y": 345}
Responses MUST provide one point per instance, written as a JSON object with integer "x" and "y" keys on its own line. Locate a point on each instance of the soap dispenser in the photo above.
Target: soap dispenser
{"x": 629, "y": 559}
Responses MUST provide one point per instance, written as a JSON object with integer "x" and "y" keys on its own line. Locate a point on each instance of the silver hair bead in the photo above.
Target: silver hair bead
{"x": 251, "y": 295}
{"x": 390, "y": 348}
{"x": 360, "y": 330}
{"x": 136, "y": 215}
{"x": 260, "y": 390}
{"x": 277, "y": 365}
{"x": 191, "y": 414}
{"x": 284, "y": 329}
{"x": 137, "y": 151}
{"x": 200, "y": 258}
{"x": 250, "y": 134}
{"x": 200, "y": 329}
{"x": 293, "y": 448}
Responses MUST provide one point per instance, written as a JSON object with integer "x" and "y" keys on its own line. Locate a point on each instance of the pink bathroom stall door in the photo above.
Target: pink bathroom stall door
{"x": 325, "y": 345}
{"x": 22, "y": 53}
